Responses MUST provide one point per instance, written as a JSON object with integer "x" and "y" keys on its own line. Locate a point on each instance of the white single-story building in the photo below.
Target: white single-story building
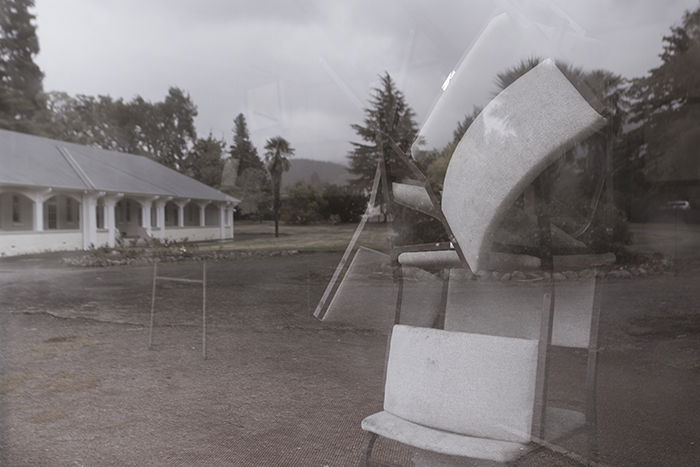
{"x": 64, "y": 196}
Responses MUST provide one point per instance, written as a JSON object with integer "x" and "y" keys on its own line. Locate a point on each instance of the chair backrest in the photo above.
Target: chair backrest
{"x": 366, "y": 297}
{"x": 514, "y": 309}
{"x": 471, "y": 384}
{"x": 517, "y": 135}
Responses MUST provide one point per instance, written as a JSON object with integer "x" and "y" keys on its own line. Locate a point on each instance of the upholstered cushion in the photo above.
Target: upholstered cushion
{"x": 396, "y": 428}
{"x": 439, "y": 259}
{"x": 414, "y": 197}
{"x": 559, "y": 422}
{"x": 517, "y": 135}
{"x": 469, "y": 384}
{"x": 514, "y": 309}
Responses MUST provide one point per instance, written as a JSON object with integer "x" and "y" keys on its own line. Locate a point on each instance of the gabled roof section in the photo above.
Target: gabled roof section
{"x": 37, "y": 161}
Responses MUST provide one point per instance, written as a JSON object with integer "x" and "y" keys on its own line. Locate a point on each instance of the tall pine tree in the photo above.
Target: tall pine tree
{"x": 388, "y": 116}
{"x": 20, "y": 78}
{"x": 242, "y": 148}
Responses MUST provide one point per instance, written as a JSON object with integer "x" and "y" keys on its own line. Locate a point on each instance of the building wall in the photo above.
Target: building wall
{"x": 63, "y": 227}
{"x": 191, "y": 233}
{"x": 38, "y": 242}
{"x": 102, "y": 237}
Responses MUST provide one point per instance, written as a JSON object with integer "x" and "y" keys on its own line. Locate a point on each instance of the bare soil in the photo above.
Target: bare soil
{"x": 78, "y": 385}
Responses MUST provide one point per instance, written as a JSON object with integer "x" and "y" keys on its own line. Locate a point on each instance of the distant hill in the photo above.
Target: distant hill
{"x": 315, "y": 172}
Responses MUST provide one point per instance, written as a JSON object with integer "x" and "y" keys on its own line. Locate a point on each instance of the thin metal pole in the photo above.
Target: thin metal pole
{"x": 204, "y": 310}
{"x": 153, "y": 306}
{"x": 540, "y": 406}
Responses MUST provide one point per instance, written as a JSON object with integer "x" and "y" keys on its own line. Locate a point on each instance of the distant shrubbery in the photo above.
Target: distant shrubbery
{"x": 306, "y": 204}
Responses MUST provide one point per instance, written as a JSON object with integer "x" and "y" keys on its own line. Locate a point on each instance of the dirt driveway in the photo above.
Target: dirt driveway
{"x": 79, "y": 387}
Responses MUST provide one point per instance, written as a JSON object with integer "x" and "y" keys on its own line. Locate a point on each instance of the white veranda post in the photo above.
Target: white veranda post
{"x": 109, "y": 204}
{"x": 89, "y": 219}
{"x": 146, "y": 215}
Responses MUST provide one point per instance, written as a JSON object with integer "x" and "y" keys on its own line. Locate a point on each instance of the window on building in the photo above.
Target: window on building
{"x": 69, "y": 210}
{"x": 99, "y": 216}
{"x": 16, "y": 209}
{"x": 51, "y": 215}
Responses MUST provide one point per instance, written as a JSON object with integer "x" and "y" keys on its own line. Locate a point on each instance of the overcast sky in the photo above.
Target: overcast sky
{"x": 304, "y": 69}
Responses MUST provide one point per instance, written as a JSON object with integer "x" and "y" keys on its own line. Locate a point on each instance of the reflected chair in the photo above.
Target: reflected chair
{"x": 514, "y": 310}
{"x": 510, "y": 143}
{"x": 463, "y": 394}
{"x": 523, "y": 130}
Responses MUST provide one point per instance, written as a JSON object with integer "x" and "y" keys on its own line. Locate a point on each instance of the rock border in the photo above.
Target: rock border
{"x": 105, "y": 261}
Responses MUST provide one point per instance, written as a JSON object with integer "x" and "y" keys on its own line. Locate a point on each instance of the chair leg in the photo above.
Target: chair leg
{"x": 592, "y": 434}
{"x": 368, "y": 451}
{"x": 398, "y": 280}
{"x": 439, "y": 322}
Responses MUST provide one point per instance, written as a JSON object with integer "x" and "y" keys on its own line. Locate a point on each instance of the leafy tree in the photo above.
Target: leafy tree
{"x": 172, "y": 131}
{"x": 304, "y": 204}
{"x": 666, "y": 108}
{"x": 21, "y": 79}
{"x": 277, "y": 151}
{"x": 242, "y": 148}
{"x": 343, "y": 203}
{"x": 163, "y": 130}
{"x": 251, "y": 189}
{"x": 388, "y": 116}
{"x": 205, "y": 161}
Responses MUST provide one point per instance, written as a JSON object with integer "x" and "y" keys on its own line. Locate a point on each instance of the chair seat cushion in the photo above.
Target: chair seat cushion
{"x": 446, "y": 259}
{"x": 419, "y": 436}
{"x": 558, "y": 424}
{"x": 437, "y": 259}
{"x": 414, "y": 197}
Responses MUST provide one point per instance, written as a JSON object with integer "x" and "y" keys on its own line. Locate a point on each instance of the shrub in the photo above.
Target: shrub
{"x": 343, "y": 204}
{"x": 303, "y": 205}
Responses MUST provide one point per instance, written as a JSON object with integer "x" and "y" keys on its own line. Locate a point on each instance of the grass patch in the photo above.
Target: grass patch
{"x": 48, "y": 416}
{"x": 66, "y": 382}
{"x": 57, "y": 339}
{"x": 10, "y": 383}
{"x": 253, "y": 236}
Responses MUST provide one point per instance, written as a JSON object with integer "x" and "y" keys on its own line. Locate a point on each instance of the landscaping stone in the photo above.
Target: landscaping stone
{"x": 557, "y": 276}
{"x": 518, "y": 275}
{"x": 571, "y": 275}
{"x": 620, "y": 274}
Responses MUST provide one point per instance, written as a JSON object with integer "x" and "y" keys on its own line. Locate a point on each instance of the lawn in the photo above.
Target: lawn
{"x": 315, "y": 237}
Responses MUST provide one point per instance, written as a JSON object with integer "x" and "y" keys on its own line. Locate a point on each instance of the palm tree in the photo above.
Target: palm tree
{"x": 277, "y": 150}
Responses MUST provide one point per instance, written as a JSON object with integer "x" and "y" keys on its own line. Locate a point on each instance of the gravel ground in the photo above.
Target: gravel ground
{"x": 79, "y": 387}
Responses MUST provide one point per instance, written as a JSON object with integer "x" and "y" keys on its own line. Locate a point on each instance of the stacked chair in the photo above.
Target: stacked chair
{"x": 477, "y": 385}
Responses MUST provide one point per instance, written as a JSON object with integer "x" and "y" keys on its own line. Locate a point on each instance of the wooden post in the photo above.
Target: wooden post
{"x": 540, "y": 406}
{"x": 153, "y": 306}
{"x": 204, "y": 310}
{"x": 592, "y": 375}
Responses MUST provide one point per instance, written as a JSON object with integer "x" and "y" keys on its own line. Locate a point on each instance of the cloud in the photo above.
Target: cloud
{"x": 305, "y": 69}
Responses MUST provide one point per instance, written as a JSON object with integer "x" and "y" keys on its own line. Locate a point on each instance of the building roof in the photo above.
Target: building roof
{"x": 27, "y": 160}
